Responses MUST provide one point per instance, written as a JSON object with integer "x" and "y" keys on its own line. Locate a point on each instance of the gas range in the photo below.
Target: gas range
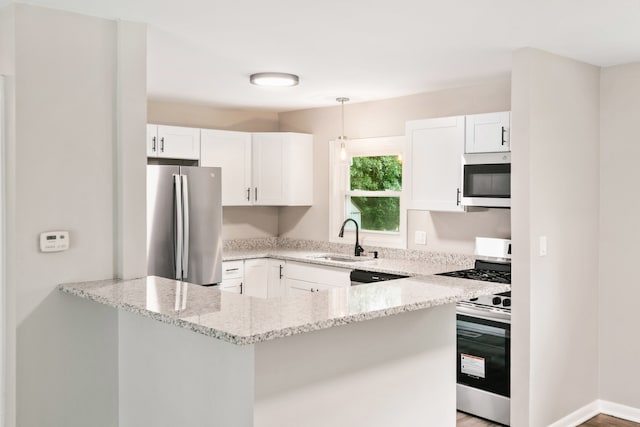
{"x": 487, "y": 271}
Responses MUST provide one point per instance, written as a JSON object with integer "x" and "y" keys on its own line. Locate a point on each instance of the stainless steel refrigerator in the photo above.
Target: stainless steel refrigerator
{"x": 184, "y": 223}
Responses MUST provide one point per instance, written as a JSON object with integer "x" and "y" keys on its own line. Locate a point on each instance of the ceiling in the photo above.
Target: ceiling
{"x": 203, "y": 51}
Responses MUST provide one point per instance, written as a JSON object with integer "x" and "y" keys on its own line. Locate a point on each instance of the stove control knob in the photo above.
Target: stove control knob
{"x": 496, "y": 300}
{"x": 506, "y": 302}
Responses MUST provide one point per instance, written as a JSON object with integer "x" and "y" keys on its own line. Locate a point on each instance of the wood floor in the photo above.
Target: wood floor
{"x": 464, "y": 420}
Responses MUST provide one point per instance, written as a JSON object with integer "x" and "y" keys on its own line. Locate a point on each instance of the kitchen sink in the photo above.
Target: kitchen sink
{"x": 341, "y": 258}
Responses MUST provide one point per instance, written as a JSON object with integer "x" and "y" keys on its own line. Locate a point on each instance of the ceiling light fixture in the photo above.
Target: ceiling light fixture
{"x": 274, "y": 79}
{"x": 342, "y": 138}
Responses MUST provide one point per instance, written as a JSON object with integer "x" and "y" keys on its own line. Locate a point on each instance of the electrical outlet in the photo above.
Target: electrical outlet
{"x": 420, "y": 238}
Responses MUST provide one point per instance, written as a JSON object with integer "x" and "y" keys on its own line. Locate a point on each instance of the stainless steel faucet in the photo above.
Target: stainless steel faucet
{"x": 358, "y": 249}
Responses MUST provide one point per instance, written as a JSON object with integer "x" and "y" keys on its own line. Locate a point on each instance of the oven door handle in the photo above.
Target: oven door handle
{"x": 483, "y": 313}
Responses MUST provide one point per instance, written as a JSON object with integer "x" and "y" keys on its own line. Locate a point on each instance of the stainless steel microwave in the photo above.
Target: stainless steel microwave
{"x": 486, "y": 180}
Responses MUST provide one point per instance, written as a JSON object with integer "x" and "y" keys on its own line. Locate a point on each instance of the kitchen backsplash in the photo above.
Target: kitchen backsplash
{"x": 320, "y": 246}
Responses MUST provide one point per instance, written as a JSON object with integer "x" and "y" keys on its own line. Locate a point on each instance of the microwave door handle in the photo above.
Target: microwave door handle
{"x": 177, "y": 231}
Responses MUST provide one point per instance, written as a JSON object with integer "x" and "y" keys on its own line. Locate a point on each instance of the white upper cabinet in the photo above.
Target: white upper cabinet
{"x": 432, "y": 170}
{"x": 282, "y": 172}
{"x": 173, "y": 142}
{"x": 232, "y": 152}
{"x": 488, "y": 133}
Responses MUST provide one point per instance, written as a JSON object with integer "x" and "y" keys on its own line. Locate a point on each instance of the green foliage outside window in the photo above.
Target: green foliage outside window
{"x": 377, "y": 173}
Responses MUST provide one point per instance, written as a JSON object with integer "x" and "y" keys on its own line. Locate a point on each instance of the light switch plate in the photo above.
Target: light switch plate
{"x": 420, "y": 238}
{"x": 543, "y": 245}
{"x": 54, "y": 241}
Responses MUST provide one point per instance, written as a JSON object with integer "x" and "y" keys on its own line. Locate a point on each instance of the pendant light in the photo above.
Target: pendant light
{"x": 342, "y": 138}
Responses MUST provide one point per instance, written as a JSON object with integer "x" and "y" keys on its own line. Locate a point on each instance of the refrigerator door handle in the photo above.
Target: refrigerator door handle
{"x": 178, "y": 224}
{"x": 185, "y": 218}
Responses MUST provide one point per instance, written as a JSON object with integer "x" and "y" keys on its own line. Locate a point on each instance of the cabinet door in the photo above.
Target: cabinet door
{"x": 256, "y": 277}
{"x": 232, "y": 285}
{"x": 319, "y": 274}
{"x": 276, "y": 281}
{"x": 268, "y": 161}
{"x": 178, "y": 142}
{"x": 152, "y": 140}
{"x": 298, "y": 169}
{"x": 232, "y": 152}
{"x": 432, "y": 171}
{"x": 488, "y": 133}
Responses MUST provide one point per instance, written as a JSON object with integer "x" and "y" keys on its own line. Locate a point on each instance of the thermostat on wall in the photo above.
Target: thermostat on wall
{"x": 54, "y": 241}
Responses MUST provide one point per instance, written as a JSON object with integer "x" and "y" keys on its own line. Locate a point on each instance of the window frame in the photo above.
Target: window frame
{"x": 339, "y": 190}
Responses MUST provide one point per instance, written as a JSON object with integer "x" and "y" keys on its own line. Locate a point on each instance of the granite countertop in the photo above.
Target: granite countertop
{"x": 410, "y": 267}
{"x": 241, "y": 319}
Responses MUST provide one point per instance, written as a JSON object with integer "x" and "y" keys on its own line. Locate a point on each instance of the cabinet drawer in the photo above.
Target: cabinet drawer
{"x": 232, "y": 270}
{"x": 318, "y": 274}
{"x": 308, "y": 286}
{"x": 232, "y": 285}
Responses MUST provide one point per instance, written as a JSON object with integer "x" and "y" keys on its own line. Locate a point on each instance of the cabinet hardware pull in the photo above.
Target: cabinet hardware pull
{"x": 153, "y": 144}
{"x": 458, "y": 197}
{"x": 256, "y": 193}
{"x": 281, "y": 271}
{"x": 249, "y": 194}
{"x": 503, "y": 141}
{"x": 162, "y": 144}
{"x": 231, "y": 269}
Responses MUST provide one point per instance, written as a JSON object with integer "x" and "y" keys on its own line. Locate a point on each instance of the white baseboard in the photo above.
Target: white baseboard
{"x": 579, "y": 416}
{"x": 628, "y": 413}
{"x": 598, "y": 407}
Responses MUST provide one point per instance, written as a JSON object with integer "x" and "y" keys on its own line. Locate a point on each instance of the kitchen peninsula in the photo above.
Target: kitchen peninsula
{"x": 376, "y": 354}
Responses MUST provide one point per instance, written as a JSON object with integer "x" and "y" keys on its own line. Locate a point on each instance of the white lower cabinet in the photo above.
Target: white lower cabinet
{"x": 260, "y": 277}
{"x": 232, "y": 276}
{"x": 256, "y": 277}
{"x": 314, "y": 278}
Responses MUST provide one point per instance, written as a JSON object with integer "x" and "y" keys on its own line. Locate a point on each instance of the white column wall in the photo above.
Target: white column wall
{"x": 62, "y": 176}
{"x": 555, "y": 179}
{"x": 619, "y": 234}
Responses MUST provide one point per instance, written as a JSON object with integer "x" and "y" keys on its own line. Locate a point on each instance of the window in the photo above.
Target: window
{"x": 373, "y": 198}
{"x": 367, "y": 186}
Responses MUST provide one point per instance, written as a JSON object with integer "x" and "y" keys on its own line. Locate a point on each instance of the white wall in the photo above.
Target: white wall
{"x": 62, "y": 177}
{"x": 619, "y": 234}
{"x": 555, "y": 146}
{"x": 7, "y": 294}
{"x": 450, "y": 232}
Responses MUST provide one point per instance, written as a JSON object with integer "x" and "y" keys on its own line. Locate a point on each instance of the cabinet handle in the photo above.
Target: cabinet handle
{"x": 503, "y": 141}
{"x": 241, "y": 288}
{"x": 281, "y": 271}
{"x": 162, "y": 144}
{"x": 249, "y": 194}
{"x": 231, "y": 269}
{"x": 458, "y": 197}
{"x": 153, "y": 144}
{"x": 256, "y": 193}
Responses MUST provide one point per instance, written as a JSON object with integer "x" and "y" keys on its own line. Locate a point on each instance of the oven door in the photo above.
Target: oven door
{"x": 484, "y": 350}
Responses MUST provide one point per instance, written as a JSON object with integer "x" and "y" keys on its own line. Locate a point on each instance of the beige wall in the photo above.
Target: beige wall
{"x": 450, "y": 232}
{"x": 619, "y": 234}
{"x": 555, "y": 105}
{"x": 237, "y": 222}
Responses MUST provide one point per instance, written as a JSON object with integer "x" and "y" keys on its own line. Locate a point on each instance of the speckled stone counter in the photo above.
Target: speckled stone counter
{"x": 241, "y": 319}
